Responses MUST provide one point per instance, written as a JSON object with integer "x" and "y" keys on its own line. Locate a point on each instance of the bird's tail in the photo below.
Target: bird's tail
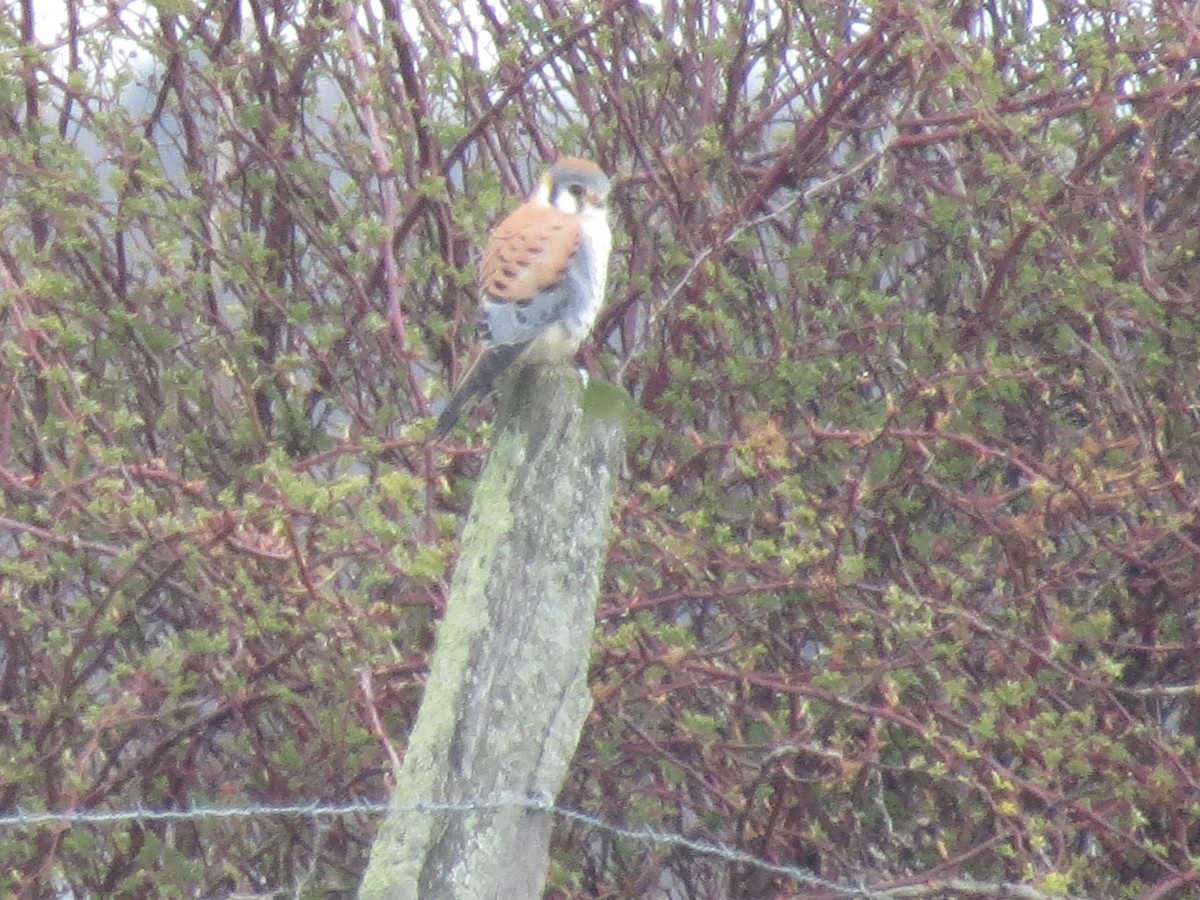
{"x": 476, "y": 383}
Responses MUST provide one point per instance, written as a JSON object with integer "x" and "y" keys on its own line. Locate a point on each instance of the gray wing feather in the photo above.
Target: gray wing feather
{"x": 566, "y": 304}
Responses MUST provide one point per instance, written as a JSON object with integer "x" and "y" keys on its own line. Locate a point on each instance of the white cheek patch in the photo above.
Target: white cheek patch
{"x": 566, "y": 202}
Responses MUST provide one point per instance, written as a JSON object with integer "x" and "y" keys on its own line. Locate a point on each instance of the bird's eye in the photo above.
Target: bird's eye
{"x": 576, "y": 190}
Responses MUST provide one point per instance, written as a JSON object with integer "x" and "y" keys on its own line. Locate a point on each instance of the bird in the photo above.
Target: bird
{"x": 541, "y": 279}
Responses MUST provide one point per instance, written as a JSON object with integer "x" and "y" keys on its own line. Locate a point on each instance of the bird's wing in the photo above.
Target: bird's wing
{"x": 524, "y": 284}
{"x": 528, "y": 253}
{"x": 522, "y": 269}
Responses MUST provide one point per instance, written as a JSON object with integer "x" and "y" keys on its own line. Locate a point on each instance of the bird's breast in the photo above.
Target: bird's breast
{"x": 596, "y": 241}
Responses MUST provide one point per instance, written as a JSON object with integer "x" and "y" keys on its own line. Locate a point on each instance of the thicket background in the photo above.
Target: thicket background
{"x": 905, "y": 582}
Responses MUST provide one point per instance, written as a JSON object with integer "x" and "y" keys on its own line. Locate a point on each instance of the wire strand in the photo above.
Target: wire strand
{"x": 25, "y": 820}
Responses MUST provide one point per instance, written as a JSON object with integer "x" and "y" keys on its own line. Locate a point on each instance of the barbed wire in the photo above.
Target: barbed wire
{"x": 29, "y": 819}
{"x": 23, "y": 819}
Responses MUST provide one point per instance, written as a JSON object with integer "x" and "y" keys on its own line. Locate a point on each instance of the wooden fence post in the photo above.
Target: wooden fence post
{"x": 507, "y": 693}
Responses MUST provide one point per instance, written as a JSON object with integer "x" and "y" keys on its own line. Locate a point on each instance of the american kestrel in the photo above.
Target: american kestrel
{"x": 541, "y": 279}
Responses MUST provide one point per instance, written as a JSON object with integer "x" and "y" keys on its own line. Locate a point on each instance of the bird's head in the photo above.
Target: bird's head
{"x": 574, "y": 186}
